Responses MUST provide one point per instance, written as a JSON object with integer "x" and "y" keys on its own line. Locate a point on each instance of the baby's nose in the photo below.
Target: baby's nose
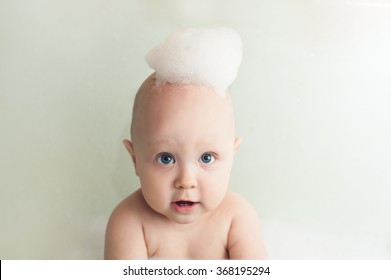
{"x": 186, "y": 178}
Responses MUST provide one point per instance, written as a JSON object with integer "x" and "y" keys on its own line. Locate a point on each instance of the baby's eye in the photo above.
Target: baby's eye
{"x": 207, "y": 158}
{"x": 165, "y": 159}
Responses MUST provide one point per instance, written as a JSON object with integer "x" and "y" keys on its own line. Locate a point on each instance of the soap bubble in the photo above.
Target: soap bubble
{"x": 209, "y": 57}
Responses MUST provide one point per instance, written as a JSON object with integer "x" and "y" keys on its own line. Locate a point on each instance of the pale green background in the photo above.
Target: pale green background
{"x": 312, "y": 102}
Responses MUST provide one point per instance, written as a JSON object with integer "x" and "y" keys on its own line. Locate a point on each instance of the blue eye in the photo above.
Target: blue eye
{"x": 165, "y": 159}
{"x": 207, "y": 158}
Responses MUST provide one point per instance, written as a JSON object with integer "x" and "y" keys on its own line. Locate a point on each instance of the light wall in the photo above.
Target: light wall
{"x": 312, "y": 102}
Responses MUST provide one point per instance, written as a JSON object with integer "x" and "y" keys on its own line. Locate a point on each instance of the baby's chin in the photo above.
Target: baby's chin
{"x": 186, "y": 219}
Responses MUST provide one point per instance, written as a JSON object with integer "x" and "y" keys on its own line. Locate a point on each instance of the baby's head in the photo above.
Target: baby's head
{"x": 182, "y": 144}
{"x": 185, "y": 103}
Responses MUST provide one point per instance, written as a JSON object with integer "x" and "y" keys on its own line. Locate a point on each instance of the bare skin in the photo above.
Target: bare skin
{"x": 183, "y": 145}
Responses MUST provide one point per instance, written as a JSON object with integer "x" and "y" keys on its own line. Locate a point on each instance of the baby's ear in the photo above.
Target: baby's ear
{"x": 129, "y": 147}
{"x": 237, "y": 143}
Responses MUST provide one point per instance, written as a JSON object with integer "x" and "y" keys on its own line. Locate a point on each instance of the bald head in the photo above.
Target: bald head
{"x": 180, "y": 106}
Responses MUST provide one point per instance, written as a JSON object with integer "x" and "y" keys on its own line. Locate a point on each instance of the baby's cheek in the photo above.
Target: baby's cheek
{"x": 214, "y": 194}
{"x": 154, "y": 200}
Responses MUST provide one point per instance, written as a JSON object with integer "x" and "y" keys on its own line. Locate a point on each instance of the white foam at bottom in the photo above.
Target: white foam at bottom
{"x": 290, "y": 241}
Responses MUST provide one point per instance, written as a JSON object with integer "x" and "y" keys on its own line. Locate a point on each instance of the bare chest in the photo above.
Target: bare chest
{"x": 203, "y": 241}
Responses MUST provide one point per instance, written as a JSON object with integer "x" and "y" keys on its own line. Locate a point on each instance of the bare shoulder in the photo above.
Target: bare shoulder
{"x": 238, "y": 207}
{"x": 245, "y": 237}
{"x": 124, "y": 233}
{"x": 237, "y": 202}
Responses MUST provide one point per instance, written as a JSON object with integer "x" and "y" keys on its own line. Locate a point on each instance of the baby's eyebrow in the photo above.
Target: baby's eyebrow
{"x": 207, "y": 142}
{"x": 160, "y": 142}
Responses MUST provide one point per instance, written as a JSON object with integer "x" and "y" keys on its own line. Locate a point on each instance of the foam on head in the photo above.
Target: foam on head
{"x": 209, "y": 57}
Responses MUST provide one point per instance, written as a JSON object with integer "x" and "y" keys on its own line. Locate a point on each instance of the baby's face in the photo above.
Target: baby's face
{"x": 183, "y": 148}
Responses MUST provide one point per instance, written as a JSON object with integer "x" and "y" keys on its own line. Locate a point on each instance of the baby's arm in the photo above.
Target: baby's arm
{"x": 124, "y": 234}
{"x": 244, "y": 240}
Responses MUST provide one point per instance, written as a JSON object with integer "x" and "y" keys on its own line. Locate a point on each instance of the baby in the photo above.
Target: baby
{"x": 182, "y": 145}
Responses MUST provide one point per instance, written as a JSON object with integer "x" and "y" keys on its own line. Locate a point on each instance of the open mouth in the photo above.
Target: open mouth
{"x": 184, "y": 206}
{"x": 183, "y": 203}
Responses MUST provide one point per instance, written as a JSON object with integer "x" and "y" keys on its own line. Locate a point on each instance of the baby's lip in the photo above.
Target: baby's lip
{"x": 184, "y": 206}
{"x": 183, "y": 203}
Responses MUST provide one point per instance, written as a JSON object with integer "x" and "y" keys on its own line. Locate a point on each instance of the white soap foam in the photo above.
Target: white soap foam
{"x": 209, "y": 57}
